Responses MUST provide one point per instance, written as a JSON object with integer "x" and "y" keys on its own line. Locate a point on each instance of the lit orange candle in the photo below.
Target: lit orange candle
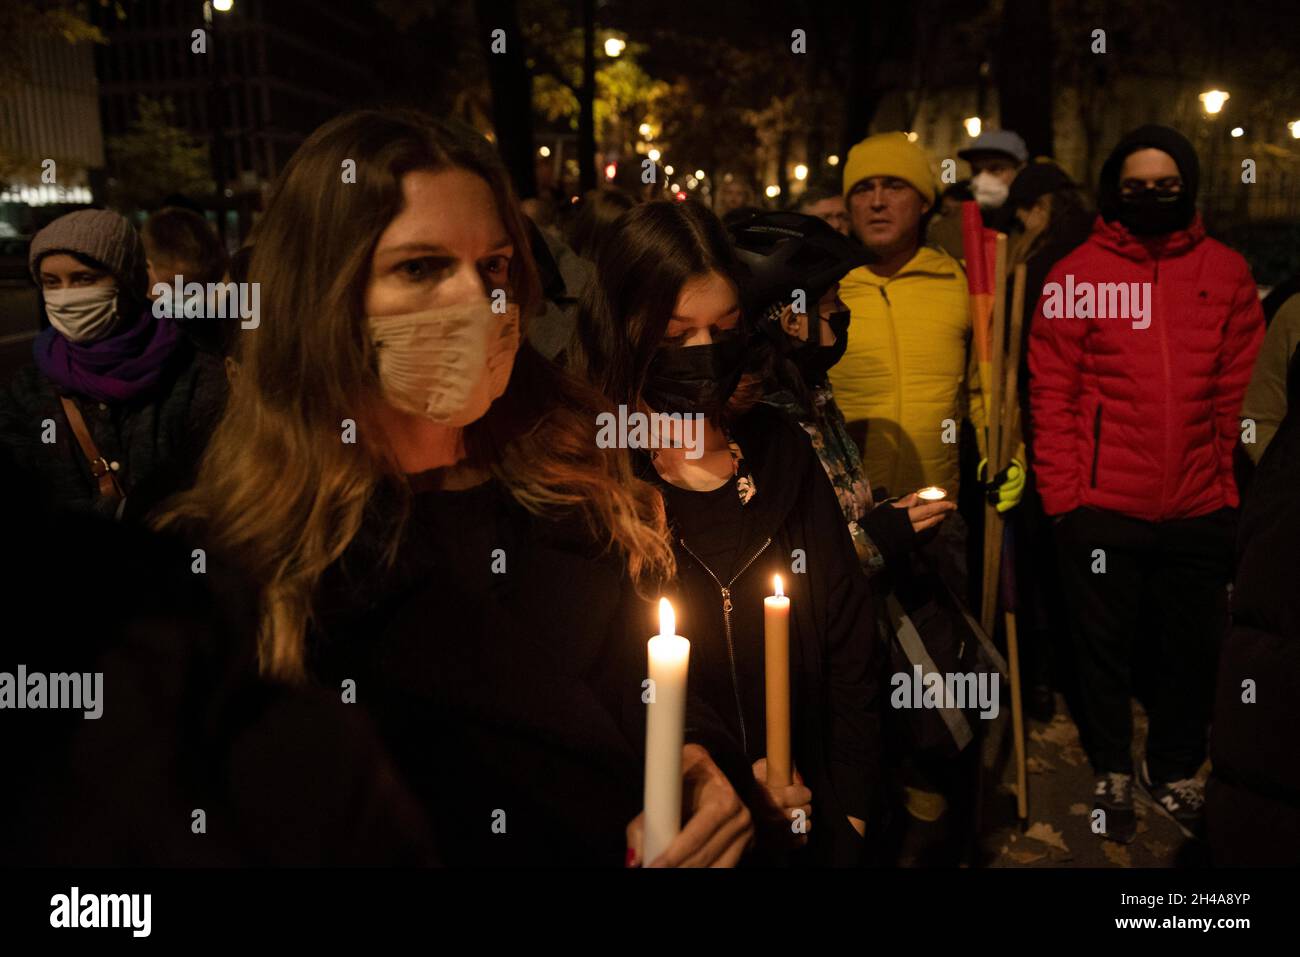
{"x": 670, "y": 654}
{"x": 776, "y": 640}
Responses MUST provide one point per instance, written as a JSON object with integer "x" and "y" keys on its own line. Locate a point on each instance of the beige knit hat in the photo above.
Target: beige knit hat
{"x": 97, "y": 234}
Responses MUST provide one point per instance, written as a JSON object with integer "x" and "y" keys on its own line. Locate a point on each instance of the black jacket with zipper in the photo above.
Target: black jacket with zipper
{"x": 836, "y": 660}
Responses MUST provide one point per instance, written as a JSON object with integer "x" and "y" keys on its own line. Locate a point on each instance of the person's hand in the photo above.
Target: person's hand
{"x": 718, "y": 829}
{"x": 1006, "y": 488}
{"x": 924, "y": 515}
{"x": 791, "y": 799}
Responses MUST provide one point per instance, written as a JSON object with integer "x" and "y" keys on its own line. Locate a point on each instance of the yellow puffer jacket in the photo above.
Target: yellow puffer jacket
{"x": 907, "y": 368}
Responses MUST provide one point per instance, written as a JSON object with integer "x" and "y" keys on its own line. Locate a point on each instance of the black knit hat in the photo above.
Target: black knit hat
{"x": 1150, "y": 137}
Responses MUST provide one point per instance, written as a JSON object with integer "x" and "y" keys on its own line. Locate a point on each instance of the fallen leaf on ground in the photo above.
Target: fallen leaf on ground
{"x": 1116, "y": 853}
{"x": 1026, "y": 857}
{"x": 1156, "y": 848}
{"x": 1045, "y": 833}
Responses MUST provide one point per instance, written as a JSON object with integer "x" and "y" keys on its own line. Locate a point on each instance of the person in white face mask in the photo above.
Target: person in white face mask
{"x": 114, "y": 396}
{"x": 994, "y": 157}
{"x": 419, "y": 503}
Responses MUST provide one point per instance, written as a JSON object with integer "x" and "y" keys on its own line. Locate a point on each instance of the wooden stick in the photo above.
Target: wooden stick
{"x": 1011, "y": 402}
{"x": 1017, "y": 718}
{"x": 993, "y": 442}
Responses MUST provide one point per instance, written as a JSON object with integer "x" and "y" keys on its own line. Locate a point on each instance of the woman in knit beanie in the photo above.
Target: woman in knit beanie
{"x": 114, "y": 393}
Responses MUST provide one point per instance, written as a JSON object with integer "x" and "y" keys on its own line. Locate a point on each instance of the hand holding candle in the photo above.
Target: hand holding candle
{"x": 776, "y": 640}
{"x": 669, "y": 656}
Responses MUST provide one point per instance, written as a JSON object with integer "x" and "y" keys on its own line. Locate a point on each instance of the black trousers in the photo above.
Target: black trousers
{"x": 1161, "y": 599}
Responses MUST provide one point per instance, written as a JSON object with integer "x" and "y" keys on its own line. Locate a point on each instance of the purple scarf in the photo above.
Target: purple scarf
{"x": 120, "y": 367}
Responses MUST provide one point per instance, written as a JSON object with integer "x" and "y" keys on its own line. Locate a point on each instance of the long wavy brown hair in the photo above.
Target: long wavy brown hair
{"x": 278, "y": 493}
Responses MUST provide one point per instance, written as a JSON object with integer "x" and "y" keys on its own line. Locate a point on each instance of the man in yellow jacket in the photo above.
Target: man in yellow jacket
{"x": 908, "y": 374}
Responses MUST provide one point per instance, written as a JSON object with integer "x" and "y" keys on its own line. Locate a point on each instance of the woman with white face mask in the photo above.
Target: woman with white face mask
{"x": 419, "y": 503}
{"x": 114, "y": 396}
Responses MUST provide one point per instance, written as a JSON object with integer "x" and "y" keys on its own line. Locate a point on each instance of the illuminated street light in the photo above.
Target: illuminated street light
{"x": 644, "y": 130}
{"x": 1294, "y": 127}
{"x": 832, "y": 160}
{"x": 611, "y": 170}
{"x": 801, "y": 172}
{"x": 773, "y": 191}
{"x": 668, "y": 170}
{"x": 1238, "y": 131}
{"x": 222, "y": 6}
{"x": 1213, "y": 100}
{"x": 973, "y": 126}
{"x": 613, "y": 47}
{"x": 699, "y": 174}
{"x": 692, "y": 182}
{"x": 654, "y": 155}
{"x": 674, "y": 188}
{"x": 544, "y": 151}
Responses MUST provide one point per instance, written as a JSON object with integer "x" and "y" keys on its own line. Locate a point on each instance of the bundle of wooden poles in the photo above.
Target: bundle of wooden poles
{"x": 1003, "y": 437}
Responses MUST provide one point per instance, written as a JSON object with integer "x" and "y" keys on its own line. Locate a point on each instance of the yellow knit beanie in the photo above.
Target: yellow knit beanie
{"x": 890, "y": 154}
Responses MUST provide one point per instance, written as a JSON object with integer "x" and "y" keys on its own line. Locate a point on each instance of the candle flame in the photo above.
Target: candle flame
{"x": 667, "y": 620}
{"x": 779, "y": 592}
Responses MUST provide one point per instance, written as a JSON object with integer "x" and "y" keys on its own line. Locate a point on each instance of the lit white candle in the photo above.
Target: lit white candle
{"x": 670, "y": 655}
{"x": 776, "y": 640}
{"x": 932, "y": 493}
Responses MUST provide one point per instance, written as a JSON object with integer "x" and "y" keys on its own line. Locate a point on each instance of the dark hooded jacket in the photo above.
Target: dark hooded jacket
{"x": 793, "y": 526}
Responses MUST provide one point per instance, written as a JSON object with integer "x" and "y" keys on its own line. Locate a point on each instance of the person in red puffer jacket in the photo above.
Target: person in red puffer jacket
{"x": 1140, "y": 352}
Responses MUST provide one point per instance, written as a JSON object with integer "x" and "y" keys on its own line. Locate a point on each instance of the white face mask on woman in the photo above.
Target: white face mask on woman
{"x": 447, "y": 364}
{"x": 84, "y": 314}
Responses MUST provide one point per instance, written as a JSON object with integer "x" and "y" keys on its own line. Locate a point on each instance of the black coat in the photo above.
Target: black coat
{"x": 836, "y": 660}
{"x": 515, "y": 690}
{"x": 1253, "y": 798}
{"x": 285, "y": 777}
{"x": 161, "y": 433}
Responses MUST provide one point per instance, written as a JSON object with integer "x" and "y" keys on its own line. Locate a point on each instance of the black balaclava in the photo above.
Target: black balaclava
{"x": 1149, "y": 214}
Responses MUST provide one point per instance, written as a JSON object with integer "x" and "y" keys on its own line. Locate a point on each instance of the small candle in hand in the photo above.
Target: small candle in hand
{"x": 665, "y": 728}
{"x": 776, "y": 639}
{"x": 932, "y": 493}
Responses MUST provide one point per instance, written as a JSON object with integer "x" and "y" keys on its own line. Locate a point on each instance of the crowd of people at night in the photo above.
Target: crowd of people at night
{"x": 365, "y": 587}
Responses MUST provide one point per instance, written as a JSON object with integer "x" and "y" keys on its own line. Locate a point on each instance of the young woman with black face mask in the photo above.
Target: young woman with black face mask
{"x": 789, "y": 253}
{"x": 662, "y": 330}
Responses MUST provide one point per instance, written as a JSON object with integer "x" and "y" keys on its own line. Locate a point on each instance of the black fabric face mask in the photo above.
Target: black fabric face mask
{"x": 1154, "y": 212}
{"x": 691, "y": 379}
{"x": 814, "y": 360}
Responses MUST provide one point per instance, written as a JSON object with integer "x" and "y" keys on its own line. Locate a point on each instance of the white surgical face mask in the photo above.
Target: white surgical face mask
{"x": 448, "y": 364}
{"x": 84, "y": 314}
{"x": 990, "y": 192}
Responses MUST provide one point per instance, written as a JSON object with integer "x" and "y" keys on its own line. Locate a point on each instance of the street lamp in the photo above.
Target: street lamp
{"x": 973, "y": 126}
{"x": 801, "y": 172}
{"x": 654, "y": 155}
{"x": 1213, "y": 100}
{"x": 832, "y": 160}
{"x": 613, "y": 47}
{"x": 1294, "y": 127}
{"x": 699, "y": 174}
{"x": 1237, "y": 131}
{"x": 222, "y": 6}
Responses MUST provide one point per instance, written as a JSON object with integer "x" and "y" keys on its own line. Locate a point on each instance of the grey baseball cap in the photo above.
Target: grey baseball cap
{"x": 997, "y": 141}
